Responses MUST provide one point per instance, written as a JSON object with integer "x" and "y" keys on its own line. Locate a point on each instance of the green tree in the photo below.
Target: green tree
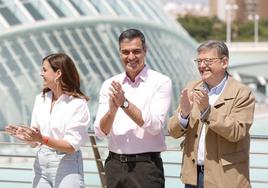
{"x": 207, "y": 28}
{"x": 202, "y": 28}
{"x": 263, "y": 30}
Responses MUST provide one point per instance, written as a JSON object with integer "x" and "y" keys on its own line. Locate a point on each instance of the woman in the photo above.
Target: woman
{"x": 59, "y": 126}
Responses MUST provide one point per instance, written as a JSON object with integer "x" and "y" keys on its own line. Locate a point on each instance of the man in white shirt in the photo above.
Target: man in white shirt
{"x": 132, "y": 110}
{"x": 214, "y": 115}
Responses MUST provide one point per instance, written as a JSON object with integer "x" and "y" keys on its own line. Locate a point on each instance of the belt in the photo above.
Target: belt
{"x": 200, "y": 168}
{"x": 124, "y": 158}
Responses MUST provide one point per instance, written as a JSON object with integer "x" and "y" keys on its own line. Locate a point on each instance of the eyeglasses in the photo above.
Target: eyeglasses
{"x": 207, "y": 61}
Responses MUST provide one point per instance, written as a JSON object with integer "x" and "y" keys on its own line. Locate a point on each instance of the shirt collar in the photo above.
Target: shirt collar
{"x": 141, "y": 76}
{"x": 63, "y": 97}
{"x": 217, "y": 89}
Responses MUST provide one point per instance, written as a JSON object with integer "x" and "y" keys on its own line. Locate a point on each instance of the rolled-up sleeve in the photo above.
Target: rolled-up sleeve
{"x": 103, "y": 108}
{"x": 76, "y": 128}
{"x": 34, "y": 112}
{"x": 154, "y": 117}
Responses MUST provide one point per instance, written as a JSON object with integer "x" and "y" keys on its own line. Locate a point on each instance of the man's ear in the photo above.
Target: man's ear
{"x": 225, "y": 62}
{"x": 145, "y": 49}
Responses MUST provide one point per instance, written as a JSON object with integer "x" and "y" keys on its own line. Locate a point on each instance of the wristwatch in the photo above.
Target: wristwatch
{"x": 125, "y": 104}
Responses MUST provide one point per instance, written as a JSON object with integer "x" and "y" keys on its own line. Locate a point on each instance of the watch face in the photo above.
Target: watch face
{"x": 125, "y": 104}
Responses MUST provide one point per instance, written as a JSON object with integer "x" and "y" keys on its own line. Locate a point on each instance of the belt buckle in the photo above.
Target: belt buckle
{"x": 123, "y": 159}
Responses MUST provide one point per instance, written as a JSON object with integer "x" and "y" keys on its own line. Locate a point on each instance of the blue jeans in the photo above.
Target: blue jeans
{"x": 200, "y": 179}
{"x": 54, "y": 169}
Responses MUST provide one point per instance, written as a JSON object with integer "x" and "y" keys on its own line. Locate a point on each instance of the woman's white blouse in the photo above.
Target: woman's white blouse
{"x": 68, "y": 120}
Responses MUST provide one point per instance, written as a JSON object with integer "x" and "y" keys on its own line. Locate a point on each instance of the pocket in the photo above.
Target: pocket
{"x": 159, "y": 164}
{"x": 107, "y": 159}
{"x": 234, "y": 158}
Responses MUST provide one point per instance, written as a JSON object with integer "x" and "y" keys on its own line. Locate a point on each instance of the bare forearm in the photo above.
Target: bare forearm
{"x": 59, "y": 145}
{"x": 106, "y": 122}
{"x": 135, "y": 114}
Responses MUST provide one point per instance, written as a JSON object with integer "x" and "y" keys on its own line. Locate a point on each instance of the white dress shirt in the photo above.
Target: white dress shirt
{"x": 151, "y": 93}
{"x": 213, "y": 95}
{"x": 68, "y": 120}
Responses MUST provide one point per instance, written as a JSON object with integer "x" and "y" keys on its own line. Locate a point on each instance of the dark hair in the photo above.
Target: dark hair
{"x": 69, "y": 80}
{"x": 131, "y": 34}
{"x": 220, "y": 46}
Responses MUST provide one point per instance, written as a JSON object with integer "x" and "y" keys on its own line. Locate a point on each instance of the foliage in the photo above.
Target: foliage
{"x": 205, "y": 28}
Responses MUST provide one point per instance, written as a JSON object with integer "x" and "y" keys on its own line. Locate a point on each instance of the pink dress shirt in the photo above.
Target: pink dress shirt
{"x": 151, "y": 93}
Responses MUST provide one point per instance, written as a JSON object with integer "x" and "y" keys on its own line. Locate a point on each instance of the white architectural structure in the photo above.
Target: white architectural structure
{"x": 88, "y": 31}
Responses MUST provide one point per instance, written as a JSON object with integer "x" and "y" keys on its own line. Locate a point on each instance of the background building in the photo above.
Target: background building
{"x": 88, "y": 31}
{"x": 177, "y": 8}
{"x": 241, "y": 10}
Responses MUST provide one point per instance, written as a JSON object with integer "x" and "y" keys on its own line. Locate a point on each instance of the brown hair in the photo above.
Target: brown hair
{"x": 69, "y": 80}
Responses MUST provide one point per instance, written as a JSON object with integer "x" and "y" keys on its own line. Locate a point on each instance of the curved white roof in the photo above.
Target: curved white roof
{"x": 88, "y": 31}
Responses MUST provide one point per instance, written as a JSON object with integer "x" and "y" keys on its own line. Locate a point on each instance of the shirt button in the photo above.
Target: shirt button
{"x": 193, "y": 160}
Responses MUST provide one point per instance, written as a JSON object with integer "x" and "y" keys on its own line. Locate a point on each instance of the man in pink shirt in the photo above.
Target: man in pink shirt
{"x": 131, "y": 115}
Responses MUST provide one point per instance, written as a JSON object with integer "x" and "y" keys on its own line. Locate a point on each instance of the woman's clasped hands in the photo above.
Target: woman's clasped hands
{"x": 24, "y": 133}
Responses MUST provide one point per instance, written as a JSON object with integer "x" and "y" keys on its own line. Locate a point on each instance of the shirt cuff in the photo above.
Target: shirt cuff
{"x": 98, "y": 132}
{"x": 183, "y": 121}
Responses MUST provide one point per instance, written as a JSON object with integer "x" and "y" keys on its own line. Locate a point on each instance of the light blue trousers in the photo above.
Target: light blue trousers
{"x": 54, "y": 169}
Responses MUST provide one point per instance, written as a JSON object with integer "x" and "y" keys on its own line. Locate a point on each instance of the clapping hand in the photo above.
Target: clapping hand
{"x": 24, "y": 133}
{"x": 15, "y": 131}
{"x": 186, "y": 103}
{"x": 117, "y": 95}
{"x": 201, "y": 98}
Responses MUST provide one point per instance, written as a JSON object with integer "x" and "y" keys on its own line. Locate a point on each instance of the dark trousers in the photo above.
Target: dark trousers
{"x": 129, "y": 171}
{"x": 200, "y": 178}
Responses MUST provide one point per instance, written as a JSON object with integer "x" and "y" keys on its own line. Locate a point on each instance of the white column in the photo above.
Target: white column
{"x": 229, "y": 8}
{"x": 256, "y": 28}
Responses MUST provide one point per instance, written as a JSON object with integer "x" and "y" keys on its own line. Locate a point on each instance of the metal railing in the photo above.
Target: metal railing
{"x": 96, "y": 152}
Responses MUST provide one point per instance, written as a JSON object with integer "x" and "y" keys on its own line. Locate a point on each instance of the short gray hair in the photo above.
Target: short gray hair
{"x": 220, "y": 46}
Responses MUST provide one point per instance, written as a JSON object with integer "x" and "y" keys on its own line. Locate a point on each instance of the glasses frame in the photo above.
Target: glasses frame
{"x": 207, "y": 61}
